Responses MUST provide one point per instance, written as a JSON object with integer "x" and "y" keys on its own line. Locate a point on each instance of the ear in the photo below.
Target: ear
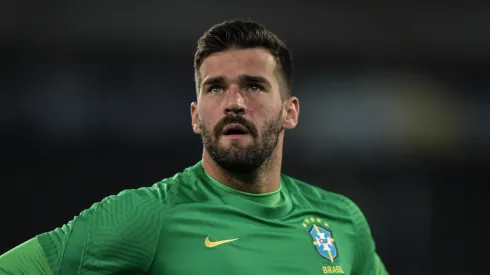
{"x": 291, "y": 113}
{"x": 195, "y": 119}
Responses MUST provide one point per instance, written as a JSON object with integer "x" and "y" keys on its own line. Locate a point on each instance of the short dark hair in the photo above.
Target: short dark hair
{"x": 239, "y": 34}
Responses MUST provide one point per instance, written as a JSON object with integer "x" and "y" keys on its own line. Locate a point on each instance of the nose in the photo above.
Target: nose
{"x": 235, "y": 103}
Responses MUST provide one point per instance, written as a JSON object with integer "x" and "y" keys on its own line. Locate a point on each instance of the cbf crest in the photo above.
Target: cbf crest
{"x": 322, "y": 238}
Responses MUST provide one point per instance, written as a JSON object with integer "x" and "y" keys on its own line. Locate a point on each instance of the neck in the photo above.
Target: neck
{"x": 263, "y": 180}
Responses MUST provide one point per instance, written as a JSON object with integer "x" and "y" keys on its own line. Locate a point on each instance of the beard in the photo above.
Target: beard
{"x": 238, "y": 158}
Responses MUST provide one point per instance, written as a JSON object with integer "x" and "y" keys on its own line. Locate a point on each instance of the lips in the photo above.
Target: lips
{"x": 235, "y": 129}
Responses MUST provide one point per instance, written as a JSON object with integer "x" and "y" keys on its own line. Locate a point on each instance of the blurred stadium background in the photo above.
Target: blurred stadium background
{"x": 394, "y": 111}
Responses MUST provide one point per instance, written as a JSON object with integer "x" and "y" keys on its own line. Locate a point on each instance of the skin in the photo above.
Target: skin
{"x": 243, "y": 86}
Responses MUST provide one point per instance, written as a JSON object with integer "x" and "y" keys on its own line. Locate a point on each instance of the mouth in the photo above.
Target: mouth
{"x": 234, "y": 130}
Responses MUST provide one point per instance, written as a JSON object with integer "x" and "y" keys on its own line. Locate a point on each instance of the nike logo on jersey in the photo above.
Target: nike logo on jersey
{"x": 209, "y": 243}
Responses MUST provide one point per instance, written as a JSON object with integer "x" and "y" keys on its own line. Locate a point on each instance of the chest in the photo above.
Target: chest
{"x": 221, "y": 240}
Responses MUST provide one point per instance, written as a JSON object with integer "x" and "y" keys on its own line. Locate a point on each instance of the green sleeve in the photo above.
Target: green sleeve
{"x": 27, "y": 258}
{"x": 115, "y": 236}
{"x": 367, "y": 260}
{"x": 379, "y": 267}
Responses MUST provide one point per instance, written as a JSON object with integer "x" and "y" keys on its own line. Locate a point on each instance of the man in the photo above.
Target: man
{"x": 233, "y": 212}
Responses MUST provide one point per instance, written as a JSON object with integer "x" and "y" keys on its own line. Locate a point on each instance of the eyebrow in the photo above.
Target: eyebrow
{"x": 243, "y": 78}
{"x": 214, "y": 81}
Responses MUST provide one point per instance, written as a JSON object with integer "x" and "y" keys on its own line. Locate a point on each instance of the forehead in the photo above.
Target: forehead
{"x": 236, "y": 62}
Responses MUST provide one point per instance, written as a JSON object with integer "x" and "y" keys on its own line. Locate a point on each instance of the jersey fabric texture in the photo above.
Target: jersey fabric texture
{"x": 26, "y": 258}
{"x": 192, "y": 224}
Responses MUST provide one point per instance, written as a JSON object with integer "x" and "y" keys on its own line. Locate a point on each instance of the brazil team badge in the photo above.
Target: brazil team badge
{"x": 324, "y": 242}
{"x": 322, "y": 238}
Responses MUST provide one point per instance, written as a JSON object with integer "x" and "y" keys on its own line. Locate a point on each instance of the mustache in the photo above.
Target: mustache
{"x": 235, "y": 119}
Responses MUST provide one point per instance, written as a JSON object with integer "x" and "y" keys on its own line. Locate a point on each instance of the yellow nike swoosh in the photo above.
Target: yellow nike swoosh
{"x": 210, "y": 244}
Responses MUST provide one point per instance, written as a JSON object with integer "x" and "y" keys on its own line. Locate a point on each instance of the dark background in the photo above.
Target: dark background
{"x": 394, "y": 112}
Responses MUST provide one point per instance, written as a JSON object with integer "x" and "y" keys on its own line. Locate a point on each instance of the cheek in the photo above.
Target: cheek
{"x": 258, "y": 108}
{"x": 209, "y": 116}
{"x": 265, "y": 112}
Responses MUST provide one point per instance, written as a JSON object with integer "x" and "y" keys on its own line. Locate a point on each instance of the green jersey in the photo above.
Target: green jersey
{"x": 192, "y": 224}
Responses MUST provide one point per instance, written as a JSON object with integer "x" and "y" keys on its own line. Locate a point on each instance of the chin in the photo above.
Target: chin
{"x": 236, "y": 143}
{"x": 238, "y": 167}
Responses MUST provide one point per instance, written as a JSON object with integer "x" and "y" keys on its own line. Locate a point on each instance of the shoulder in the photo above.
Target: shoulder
{"x": 126, "y": 224}
{"x": 146, "y": 200}
{"x": 320, "y": 199}
{"x": 343, "y": 209}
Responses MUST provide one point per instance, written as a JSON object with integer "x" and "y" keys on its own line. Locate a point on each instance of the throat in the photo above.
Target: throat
{"x": 257, "y": 181}
{"x": 252, "y": 184}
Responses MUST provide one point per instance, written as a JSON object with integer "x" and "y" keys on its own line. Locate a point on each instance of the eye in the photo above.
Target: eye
{"x": 255, "y": 88}
{"x": 215, "y": 89}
